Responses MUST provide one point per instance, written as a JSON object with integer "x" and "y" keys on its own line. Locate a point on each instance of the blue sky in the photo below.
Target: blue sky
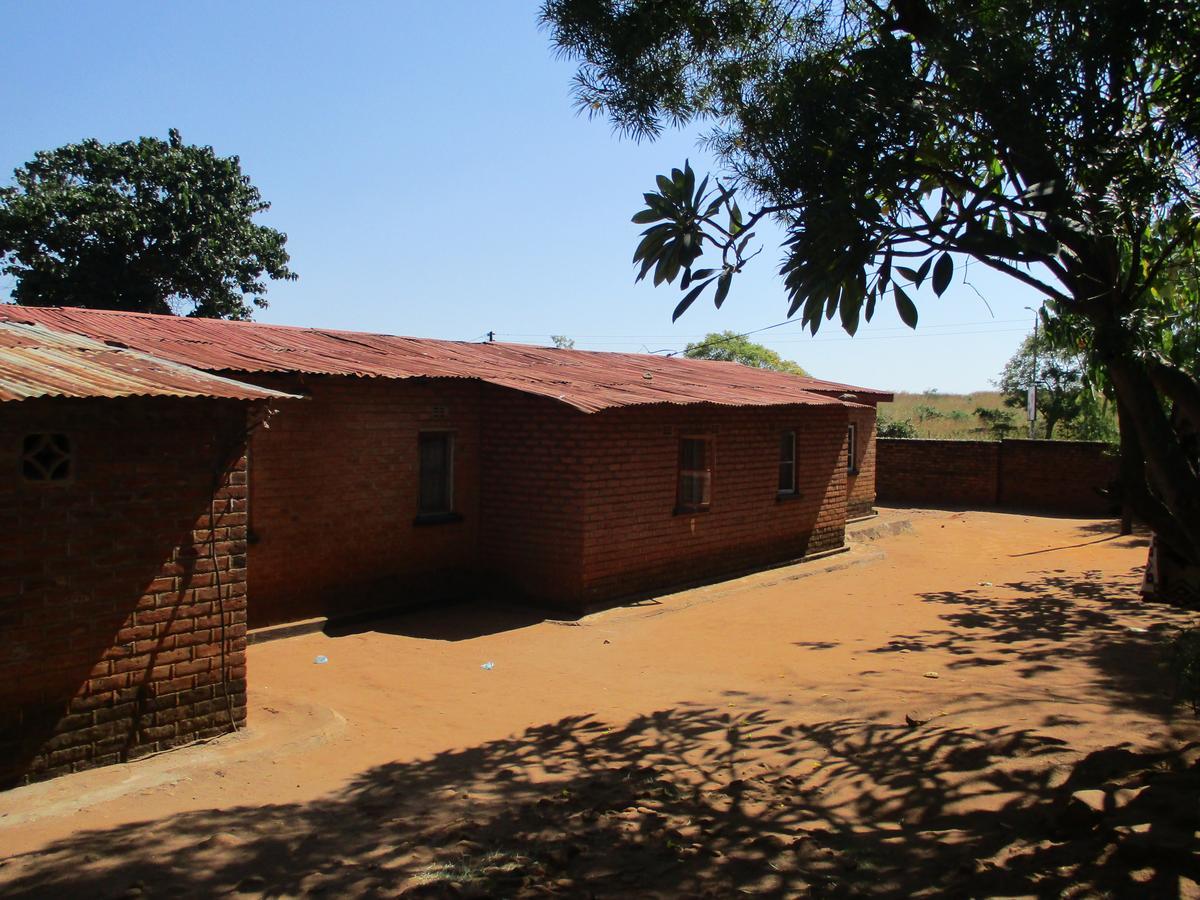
{"x": 434, "y": 180}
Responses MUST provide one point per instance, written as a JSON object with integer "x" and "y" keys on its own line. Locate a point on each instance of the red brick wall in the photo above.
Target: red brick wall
{"x": 113, "y": 643}
{"x": 558, "y": 506}
{"x": 860, "y": 485}
{"x": 937, "y": 472}
{"x": 1058, "y": 476}
{"x": 532, "y": 504}
{"x": 334, "y": 497}
{"x": 634, "y": 540}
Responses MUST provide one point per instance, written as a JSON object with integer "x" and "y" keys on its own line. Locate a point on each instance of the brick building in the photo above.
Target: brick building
{"x": 150, "y": 520}
{"x": 419, "y": 468}
{"x": 123, "y": 576}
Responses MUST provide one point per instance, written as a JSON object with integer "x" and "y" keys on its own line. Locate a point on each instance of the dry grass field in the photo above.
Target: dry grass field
{"x": 949, "y": 416}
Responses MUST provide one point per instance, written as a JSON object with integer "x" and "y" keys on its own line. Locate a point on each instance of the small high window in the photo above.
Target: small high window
{"x": 695, "y": 474}
{"x": 787, "y": 462}
{"x": 852, "y": 450}
{"x": 46, "y": 457}
{"x": 437, "y": 474}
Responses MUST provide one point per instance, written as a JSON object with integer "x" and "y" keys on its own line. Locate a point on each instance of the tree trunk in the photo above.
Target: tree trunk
{"x": 1173, "y": 579}
{"x": 1159, "y": 477}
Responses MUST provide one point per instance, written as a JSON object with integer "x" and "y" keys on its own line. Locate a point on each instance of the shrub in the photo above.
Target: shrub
{"x": 885, "y": 426}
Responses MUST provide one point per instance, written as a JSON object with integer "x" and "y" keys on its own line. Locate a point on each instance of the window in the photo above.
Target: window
{"x": 695, "y": 474}
{"x": 787, "y": 462}
{"x": 437, "y": 474}
{"x": 852, "y": 450}
{"x": 46, "y": 457}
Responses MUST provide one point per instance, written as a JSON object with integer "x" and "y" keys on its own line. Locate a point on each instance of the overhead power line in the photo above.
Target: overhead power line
{"x": 905, "y": 333}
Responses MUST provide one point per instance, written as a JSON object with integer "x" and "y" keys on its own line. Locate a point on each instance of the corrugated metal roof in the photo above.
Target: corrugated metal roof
{"x": 36, "y": 361}
{"x": 589, "y": 381}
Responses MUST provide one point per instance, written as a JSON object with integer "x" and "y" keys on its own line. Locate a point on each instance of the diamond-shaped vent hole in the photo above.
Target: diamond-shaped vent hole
{"x": 46, "y": 457}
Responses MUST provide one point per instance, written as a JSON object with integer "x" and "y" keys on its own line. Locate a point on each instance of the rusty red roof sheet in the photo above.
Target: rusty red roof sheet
{"x": 587, "y": 380}
{"x": 36, "y": 361}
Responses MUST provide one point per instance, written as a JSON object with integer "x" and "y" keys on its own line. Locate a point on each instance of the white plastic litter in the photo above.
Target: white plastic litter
{"x": 489, "y": 665}
{"x": 321, "y": 660}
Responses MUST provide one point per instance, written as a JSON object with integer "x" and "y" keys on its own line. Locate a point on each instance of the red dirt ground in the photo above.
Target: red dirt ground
{"x": 912, "y": 725}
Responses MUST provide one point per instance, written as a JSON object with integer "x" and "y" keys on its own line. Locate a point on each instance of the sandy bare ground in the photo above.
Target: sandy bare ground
{"x": 772, "y": 735}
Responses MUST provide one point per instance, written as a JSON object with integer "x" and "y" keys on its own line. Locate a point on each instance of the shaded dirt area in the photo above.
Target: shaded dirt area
{"x": 980, "y": 713}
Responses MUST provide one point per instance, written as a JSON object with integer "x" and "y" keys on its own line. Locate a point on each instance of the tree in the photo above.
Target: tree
{"x": 1059, "y": 381}
{"x": 562, "y": 342}
{"x": 1055, "y": 141}
{"x": 147, "y": 225}
{"x": 729, "y": 346}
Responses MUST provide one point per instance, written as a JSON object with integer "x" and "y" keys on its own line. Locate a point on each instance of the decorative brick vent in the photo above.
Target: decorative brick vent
{"x": 46, "y": 457}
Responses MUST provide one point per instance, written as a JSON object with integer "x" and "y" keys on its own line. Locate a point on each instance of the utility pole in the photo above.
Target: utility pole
{"x": 1031, "y": 396}
{"x": 491, "y": 337}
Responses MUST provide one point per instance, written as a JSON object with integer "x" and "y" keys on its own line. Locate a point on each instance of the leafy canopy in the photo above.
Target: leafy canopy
{"x": 1058, "y": 375}
{"x": 896, "y": 141}
{"x": 147, "y": 225}
{"x": 729, "y": 346}
{"x": 892, "y": 139}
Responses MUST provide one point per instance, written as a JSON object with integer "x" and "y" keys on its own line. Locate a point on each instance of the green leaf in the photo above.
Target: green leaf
{"x": 849, "y": 309}
{"x": 688, "y": 300}
{"x": 905, "y": 306}
{"x": 645, "y": 217}
{"x": 942, "y": 273}
{"x": 885, "y": 271}
{"x": 923, "y": 271}
{"x": 906, "y": 272}
{"x": 652, "y": 243}
{"x": 831, "y": 301}
{"x": 813, "y": 304}
{"x": 723, "y": 287}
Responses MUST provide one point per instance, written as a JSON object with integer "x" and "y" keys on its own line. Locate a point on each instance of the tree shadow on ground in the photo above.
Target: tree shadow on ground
{"x": 1057, "y": 616}
{"x": 693, "y": 801}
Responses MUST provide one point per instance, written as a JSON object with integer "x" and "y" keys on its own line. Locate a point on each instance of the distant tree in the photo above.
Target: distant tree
{"x": 997, "y": 422}
{"x": 1097, "y": 420}
{"x": 1060, "y": 388}
{"x": 148, "y": 225}
{"x": 562, "y": 342}
{"x": 729, "y": 346}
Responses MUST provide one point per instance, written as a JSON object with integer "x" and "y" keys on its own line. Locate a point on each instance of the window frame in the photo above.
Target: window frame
{"x": 446, "y": 514}
{"x": 683, "y": 507}
{"x": 852, "y": 448}
{"x": 792, "y": 491}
